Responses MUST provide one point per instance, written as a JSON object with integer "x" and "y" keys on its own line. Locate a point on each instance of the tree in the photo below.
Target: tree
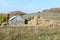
{"x": 7, "y": 17}
{"x": 0, "y": 18}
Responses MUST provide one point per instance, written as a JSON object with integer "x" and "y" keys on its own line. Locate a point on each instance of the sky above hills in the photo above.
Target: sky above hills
{"x": 27, "y": 6}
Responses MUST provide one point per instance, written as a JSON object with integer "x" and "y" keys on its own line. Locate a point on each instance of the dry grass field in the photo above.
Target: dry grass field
{"x": 47, "y": 15}
{"x": 30, "y": 32}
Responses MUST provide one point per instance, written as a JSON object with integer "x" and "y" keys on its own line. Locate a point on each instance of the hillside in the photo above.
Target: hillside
{"x": 16, "y": 12}
{"x": 53, "y": 13}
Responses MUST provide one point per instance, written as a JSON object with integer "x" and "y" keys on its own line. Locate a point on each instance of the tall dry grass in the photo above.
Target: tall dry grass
{"x": 30, "y": 32}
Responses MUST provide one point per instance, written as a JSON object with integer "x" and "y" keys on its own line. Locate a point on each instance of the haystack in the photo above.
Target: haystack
{"x": 41, "y": 21}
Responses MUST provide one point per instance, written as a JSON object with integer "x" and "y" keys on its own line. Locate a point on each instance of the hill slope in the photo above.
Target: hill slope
{"x": 48, "y": 14}
{"x": 17, "y": 12}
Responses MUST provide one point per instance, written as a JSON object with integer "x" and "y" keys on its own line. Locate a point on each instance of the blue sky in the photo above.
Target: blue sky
{"x": 28, "y": 6}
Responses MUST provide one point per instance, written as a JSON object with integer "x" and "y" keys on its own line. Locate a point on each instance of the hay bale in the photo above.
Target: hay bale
{"x": 36, "y": 17}
{"x": 41, "y": 21}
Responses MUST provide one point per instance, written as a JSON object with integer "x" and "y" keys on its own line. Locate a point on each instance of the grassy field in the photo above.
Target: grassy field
{"x": 32, "y": 32}
{"x": 47, "y": 15}
{"x": 27, "y": 32}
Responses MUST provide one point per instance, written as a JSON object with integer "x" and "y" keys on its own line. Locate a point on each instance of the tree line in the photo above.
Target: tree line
{"x": 4, "y": 18}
